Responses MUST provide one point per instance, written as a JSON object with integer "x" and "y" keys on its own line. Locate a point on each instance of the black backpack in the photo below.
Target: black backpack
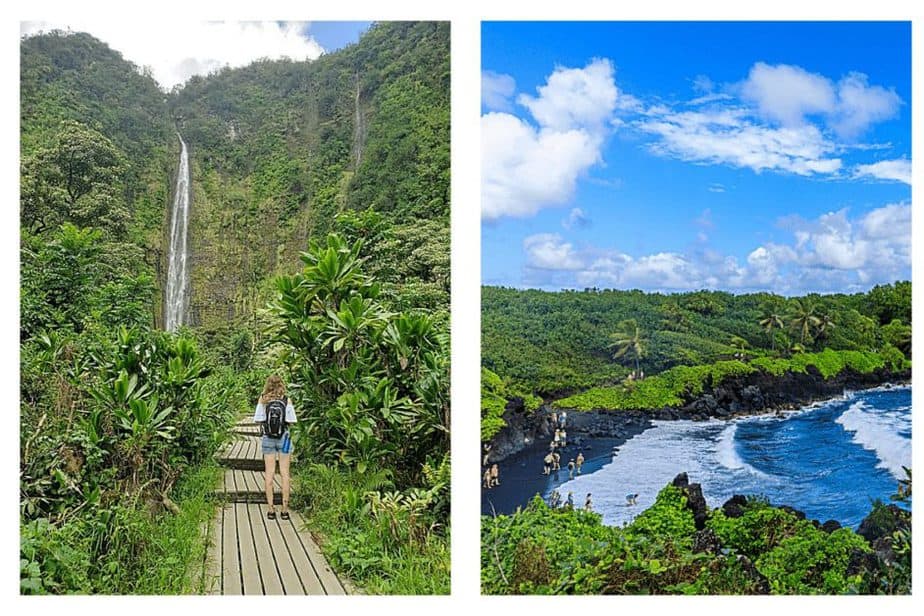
{"x": 275, "y": 424}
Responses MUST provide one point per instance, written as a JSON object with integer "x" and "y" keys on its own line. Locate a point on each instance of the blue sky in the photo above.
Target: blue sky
{"x": 678, "y": 156}
{"x": 333, "y": 35}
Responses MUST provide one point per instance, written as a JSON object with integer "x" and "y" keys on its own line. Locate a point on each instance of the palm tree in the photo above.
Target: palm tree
{"x": 803, "y": 318}
{"x": 628, "y": 343}
{"x": 770, "y": 321}
{"x": 825, "y": 325}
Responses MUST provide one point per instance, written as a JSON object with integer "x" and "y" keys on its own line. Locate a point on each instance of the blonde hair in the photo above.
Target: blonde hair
{"x": 274, "y": 389}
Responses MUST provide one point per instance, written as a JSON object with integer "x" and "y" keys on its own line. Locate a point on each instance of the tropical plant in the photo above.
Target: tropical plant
{"x": 628, "y": 343}
{"x": 803, "y": 319}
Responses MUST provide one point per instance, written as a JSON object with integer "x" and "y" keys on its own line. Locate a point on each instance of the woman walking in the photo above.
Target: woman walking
{"x": 275, "y": 413}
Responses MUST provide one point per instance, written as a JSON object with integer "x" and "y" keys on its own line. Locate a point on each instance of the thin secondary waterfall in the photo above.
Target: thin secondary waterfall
{"x": 177, "y": 296}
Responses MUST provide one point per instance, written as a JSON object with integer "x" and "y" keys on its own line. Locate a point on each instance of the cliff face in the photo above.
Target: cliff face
{"x": 280, "y": 148}
{"x": 752, "y": 394}
{"x": 277, "y": 150}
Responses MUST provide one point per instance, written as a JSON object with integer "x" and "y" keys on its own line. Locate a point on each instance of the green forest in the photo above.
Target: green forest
{"x": 319, "y": 240}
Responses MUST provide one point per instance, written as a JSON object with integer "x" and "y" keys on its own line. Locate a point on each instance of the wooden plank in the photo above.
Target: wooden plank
{"x": 266, "y": 557}
{"x": 332, "y": 585}
{"x": 288, "y": 574}
{"x": 230, "y": 561}
{"x": 250, "y": 568}
{"x": 212, "y": 569}
{"x": 229, "y": 481}
{"x": 306, "y": 571}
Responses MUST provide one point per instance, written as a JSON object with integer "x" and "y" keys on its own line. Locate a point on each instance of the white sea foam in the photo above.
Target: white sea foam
{"x": 727, "y": 454}
{"x": 879, "y": 431}
{"x": 649, "y": 461}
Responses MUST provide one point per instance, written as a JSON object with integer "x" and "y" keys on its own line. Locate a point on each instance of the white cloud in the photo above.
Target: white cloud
{"x": 898, "y": 169}
{"x": 577, "y": 218}
{"x": 527, "y": 167}
{"x": 496, "y": 90}
{"x": 728, "y": 136}
{"x": 524, "y": 169}
{"x": 861, "y": 105}
{"x": 548, "y": 251}
{"x": 781, "y": 118}
{"x": 716, "y": 187}
{"x": 575, "y": 98}
{"x": 830, "y": 253}
{"x": 786, "y": 94}
{"x": 192, "y": 48}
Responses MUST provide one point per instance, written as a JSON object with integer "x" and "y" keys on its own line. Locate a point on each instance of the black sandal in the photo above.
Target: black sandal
{"x": 285, "y": 515}
{"x": 270, "y": 515}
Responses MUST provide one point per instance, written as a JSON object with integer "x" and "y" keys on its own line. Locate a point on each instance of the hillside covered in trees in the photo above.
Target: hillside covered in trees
{"x": 554, "y": 343}
{"x": 319, "y": 250}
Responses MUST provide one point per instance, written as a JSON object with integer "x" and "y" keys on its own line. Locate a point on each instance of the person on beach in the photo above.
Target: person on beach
{"x": 556, "y": 461}
{"x": 570, "y": 503}
{"x": 562, "y": 418}
{"x": 495, "y": 476}
{"x": 554, "y": 499}
{"x": 579, "y": 462}
{"x": 557, "y": 438}
{"x": 631, "y": 499}
{"x": 275, "y": 414}
{"x": 588, "y": 506}
{"x": 564, "y": 438}
{"x": 486, "y": 479}
{"x": 548, "y": 459}
{"x": 487, "y": 452}
{"x": 571, "y": 468}
{"x": 554, "y": 418}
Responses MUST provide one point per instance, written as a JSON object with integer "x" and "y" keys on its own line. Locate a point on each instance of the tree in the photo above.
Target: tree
{"x": 75, "y": 179}
{"x": 825, "y": 325}
{"x": 888, "y": 302}
{"x": 803, "y": 318}
{"x": 898, "y": 335}
{"x": 771, "y": 320}
{"x": 628, "y": 343}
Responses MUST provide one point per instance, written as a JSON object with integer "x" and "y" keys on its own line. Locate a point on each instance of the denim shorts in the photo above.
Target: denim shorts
{"x": 282, "y": 445}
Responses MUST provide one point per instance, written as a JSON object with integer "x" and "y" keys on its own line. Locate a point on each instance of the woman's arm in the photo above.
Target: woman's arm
{"x": 290, "y": 412}
{"x": 259, "y": 415}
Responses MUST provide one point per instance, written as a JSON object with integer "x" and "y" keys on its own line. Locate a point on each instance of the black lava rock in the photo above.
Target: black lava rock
{"x": 696, "y": 502}
{"x": 830, "y": 526}
{"x": 707, "y": 541}
{"x": 734, "y": 507}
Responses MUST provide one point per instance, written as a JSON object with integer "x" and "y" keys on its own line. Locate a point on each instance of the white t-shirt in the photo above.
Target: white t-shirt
{"x": 259, "y": 415}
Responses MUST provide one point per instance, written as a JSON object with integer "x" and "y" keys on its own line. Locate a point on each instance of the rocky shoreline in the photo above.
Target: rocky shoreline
{"x": 753, "y": 394}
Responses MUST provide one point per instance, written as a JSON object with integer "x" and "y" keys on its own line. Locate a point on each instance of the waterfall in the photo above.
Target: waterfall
{"x": 176, "y": 298}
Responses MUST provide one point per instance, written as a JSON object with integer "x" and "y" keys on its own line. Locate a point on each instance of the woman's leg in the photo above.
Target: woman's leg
{"x": 269, "y": 462}
{"x": 284, "y": 471}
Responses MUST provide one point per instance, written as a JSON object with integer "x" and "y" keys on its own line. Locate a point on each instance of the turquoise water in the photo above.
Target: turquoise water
{"x": 830, "y": 461}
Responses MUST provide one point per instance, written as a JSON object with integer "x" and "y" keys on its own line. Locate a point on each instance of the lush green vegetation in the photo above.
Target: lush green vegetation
{"x": 554, "y": 343}
{"x": 494, "y": 396}
{"x": 355, "y": 142}
{"x": 679, "y": 384}
{"x": 373, "y": 389}
{"x": 119, "y": 421}
{"x": 565, "y": 551}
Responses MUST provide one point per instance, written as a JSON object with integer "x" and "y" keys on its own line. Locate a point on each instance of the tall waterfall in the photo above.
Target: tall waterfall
{"x": 176, "y": 299}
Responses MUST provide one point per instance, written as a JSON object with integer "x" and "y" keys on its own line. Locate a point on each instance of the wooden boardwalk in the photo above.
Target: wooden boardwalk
{"x": 251, "y": 555}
